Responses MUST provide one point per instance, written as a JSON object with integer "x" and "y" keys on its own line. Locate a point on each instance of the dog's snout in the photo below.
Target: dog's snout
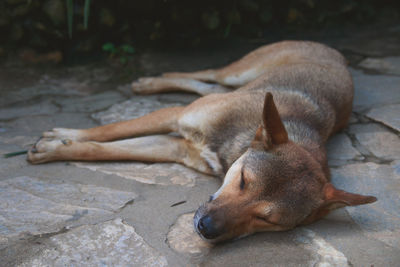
{"x": 207, "y": 228}
{"x": 204, "y": 222}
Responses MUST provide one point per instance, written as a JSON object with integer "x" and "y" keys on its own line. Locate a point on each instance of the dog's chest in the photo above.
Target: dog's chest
{"x": 220, "y": 137}
{"x": 195, "y": 127}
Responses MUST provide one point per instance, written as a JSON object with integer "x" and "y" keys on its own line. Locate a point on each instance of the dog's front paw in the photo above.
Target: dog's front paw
{"x": 63, "y": 133}
{"x": 46, "y": 150}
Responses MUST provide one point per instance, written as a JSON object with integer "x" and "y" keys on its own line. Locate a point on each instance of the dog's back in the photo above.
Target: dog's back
{"x": 315, "y": 71}
{"x": 311, "y": 86}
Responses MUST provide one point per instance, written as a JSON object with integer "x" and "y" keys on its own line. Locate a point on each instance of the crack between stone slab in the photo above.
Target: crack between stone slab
{"x": 172, "y": 225}
{"x": 169, "y": 229}
{"x": 388, "y": 127}
{"x": 29, "y": 239}
{"x": 129, "y": 203}
{"x": 35, "y": 238}
{"x": 364, "y": 119}
{"x": 363, "y": 110}
{"x": 144, "y": 240}
{"x": 105, "y": 108}
{"x": 89, "y": 116}
{"x": 370, "y": 157}
{"x": 65, "y": 229}
{"x": 122, "y": 93}
{"x": 367, "y": 157}
{"x": 372, "y": 72}
{"x": 58, "y": 105}
{"x": 66, "y": 205}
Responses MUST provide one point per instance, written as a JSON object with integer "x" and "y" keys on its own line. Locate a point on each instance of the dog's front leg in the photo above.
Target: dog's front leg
{"x": 156, "y": 148}
{"x": 158, "y": 122}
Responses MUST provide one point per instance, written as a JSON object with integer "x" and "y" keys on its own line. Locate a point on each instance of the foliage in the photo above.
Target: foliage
{"x": 70, "y": 15}
{"x": 64, "y": 25}
{"x": 123, "y": 52}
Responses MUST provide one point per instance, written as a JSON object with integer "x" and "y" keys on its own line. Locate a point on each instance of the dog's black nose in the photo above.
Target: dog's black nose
{"x": 207, "y": 228}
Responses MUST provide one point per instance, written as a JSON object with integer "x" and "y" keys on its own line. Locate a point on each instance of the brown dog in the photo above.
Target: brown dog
{"x": 271, "y": 151}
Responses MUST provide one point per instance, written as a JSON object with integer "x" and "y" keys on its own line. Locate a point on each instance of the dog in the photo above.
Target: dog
{"x": 262, "y": 124}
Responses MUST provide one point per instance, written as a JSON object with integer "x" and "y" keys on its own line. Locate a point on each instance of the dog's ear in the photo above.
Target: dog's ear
{"x": 261, "y": 140}
{"x": 272, "y": 132}
{"x": 334, "y": 199}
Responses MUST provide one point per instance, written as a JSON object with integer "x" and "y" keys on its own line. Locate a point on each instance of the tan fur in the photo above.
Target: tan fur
{"x": 267, "y": 137}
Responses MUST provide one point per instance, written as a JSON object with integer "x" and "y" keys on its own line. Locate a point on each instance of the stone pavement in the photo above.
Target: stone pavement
{"x": 136, "y": 214}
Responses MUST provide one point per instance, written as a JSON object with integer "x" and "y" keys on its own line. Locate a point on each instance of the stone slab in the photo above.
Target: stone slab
{"x": 388, "y": 115}
{"x": 89, "y": 103}
{"x": 10, "y": 165}
{"x": 41, "y": 108}
{"x": 324, "y": 253}
{"x": 38, "y": 90}
{"x": 111, "y": 243}
{"x": 157, "y": 173}
{"x": 20, "y": 140}
{"x": 353, "y": 118}
{"x": 34, "y": 206}
{"x": 380, "y": 220}
{"x": 183, "y": 238}
{"x": 340, "y": 150}
{"x": 388, "y": 65}
{"x": 376, "y": 42}
{"x": 374, "y": 90}
{"x": 35, "y": 125}
{"x": 379, "y": 141}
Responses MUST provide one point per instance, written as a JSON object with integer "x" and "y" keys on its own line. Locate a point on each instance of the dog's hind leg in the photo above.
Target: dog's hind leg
{"x": 158, "y": 122}
{"x": 203, "y": 75}
{"x": 156, "y": 148}
{"x": 152, "y": 85}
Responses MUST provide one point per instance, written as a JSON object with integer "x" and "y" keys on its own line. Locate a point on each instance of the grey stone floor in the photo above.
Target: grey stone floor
{"x": 136, "y": 214}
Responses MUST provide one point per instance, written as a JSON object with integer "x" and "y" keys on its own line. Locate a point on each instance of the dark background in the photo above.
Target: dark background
{"x": 119, "y": 28}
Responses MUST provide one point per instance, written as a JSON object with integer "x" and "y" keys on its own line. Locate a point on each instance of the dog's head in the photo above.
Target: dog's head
{"x": 275, "y": 185}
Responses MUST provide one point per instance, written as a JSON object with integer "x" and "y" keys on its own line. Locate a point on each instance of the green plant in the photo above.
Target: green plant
{"x": 70, "y": 15}
{"x": 123, "y": 52}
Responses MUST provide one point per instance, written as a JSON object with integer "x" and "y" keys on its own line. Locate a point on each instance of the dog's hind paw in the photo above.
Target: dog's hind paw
{"x": 150, "y": 85}
{"x": 46, "y": 150}
{"x": 142, "y": 85}
{"x": 63, "y": 133}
